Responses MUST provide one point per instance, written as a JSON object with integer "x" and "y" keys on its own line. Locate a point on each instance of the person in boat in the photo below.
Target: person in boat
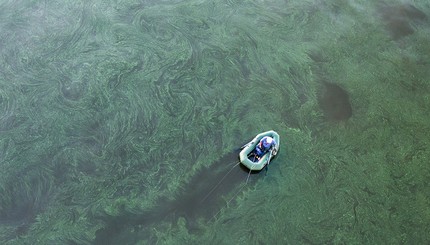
{"x": 265, "y": 144}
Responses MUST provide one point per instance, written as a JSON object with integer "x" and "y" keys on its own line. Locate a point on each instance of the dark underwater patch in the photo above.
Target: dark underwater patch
{"x": 399, "y": 19}
{"x": 334, "y": 102}
{"x": 26, "y": 197}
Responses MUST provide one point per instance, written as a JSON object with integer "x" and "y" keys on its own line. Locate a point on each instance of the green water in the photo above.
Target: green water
{"x": 119, "y": 118}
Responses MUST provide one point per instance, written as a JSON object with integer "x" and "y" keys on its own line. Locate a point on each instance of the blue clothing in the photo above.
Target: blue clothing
{"x": 264, "y": 146}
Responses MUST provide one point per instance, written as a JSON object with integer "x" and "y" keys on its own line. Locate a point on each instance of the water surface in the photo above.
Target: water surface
{"x": 120, "y": 119}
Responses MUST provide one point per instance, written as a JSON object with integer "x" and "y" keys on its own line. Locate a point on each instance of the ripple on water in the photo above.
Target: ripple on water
{"x": 73, "y": 88}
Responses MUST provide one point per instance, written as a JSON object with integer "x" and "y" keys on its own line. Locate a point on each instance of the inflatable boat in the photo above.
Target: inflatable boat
{"x": 248, "y": 159}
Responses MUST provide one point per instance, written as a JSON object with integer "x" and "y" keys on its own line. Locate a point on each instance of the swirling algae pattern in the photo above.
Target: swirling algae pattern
{"x": 104, "y": 102}
{"x": 108, "y": 109}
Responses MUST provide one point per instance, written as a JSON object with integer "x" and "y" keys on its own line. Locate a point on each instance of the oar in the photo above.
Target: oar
{"x": 268, "y": 161}
{"x": 245, "y": 145}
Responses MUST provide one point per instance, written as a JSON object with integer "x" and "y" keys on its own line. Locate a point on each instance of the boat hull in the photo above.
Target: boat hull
{"x": 248, "y": 148}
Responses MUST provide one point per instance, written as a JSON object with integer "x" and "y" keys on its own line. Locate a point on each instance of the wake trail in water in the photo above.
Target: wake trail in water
{"x": 201, "y": 198}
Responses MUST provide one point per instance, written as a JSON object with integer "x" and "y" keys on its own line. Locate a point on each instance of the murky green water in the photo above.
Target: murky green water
{"x": 121, "y": 122}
